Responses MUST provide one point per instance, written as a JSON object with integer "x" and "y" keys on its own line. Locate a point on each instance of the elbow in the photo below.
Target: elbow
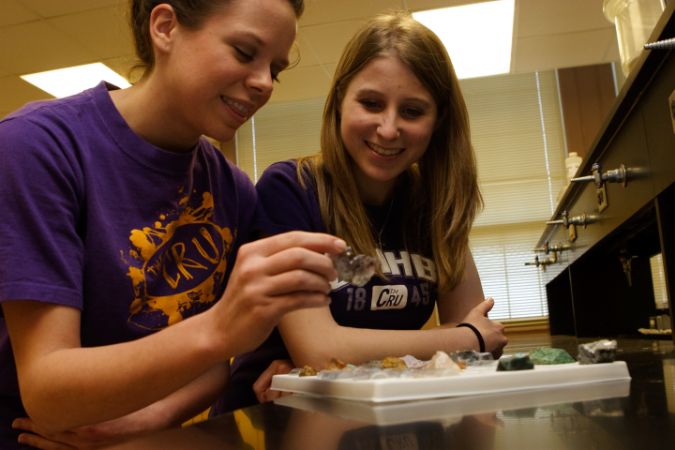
{"x": 45, "y": 412}
{"x": 41, "y": 418}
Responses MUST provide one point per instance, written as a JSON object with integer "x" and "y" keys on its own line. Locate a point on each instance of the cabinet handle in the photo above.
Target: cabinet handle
{"x": 583, "y": 220}
{"x": 543, "y": 262}
{"x": 547, "y": 248}
{"x": 619, "y": 175}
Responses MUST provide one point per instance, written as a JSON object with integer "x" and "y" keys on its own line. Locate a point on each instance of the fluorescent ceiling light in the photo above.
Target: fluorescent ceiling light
{"x": 478, "y": 36}
{"x": 71, "y": 80}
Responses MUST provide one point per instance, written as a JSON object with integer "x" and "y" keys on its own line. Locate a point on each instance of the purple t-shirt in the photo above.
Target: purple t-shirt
{"x": 96, "y": 218}
{"x": 404, "y": 300}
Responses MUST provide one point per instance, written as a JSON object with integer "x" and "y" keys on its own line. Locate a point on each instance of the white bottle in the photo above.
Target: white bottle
{"x": 572, "y": 162}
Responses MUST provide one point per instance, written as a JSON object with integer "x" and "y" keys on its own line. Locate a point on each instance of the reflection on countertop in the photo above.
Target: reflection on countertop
{"x": 639, "y": 414}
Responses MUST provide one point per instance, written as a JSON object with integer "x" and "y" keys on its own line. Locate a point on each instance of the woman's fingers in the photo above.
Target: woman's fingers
{"x": 301, "y": 258}
{"x": 38, "y": 438}
{"x": 491, "y": 330}
{"x": 261, "y": 387}
{"x": 296, "y": 281}
{"x": 272, "y": 277}
{"x": 317, "y": 242}
{"x": 39, "y": 442}
{"x": 484, "y": 307}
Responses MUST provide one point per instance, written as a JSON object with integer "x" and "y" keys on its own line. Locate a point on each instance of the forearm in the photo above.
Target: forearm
{"x": 359, "y": 345}
{"x": 194, "y": 398}
{"x": 91, "y": 385}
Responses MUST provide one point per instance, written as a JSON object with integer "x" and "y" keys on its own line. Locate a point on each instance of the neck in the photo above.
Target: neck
{"x": 149, "y": 117}
{"x": 378, "y": 226}
{"x": 375, "y": 194}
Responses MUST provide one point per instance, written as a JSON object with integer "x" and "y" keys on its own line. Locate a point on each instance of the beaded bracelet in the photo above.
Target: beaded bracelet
{"x": 481, "y": 342}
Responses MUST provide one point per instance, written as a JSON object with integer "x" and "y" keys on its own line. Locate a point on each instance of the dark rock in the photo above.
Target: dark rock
{"x": 519, "y": 361}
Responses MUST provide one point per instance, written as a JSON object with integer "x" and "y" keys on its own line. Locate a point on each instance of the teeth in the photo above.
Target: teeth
{"x": 239, "y": 107}
{"x": 384, "y": 151}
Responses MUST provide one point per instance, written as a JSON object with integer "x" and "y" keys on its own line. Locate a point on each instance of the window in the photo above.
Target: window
{"x": 517, "y": 133}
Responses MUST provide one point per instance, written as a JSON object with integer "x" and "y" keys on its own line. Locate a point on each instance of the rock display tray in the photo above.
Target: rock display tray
{"x": 451, "y": 409}
{"x": 471, "y": 381}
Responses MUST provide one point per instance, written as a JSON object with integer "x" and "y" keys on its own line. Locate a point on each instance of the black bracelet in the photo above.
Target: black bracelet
{"x": 481, "y": 342}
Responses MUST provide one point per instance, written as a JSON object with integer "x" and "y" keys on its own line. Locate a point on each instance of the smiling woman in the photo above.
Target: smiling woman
{"x": 127, "y": 279}
{"x": 396, "y": 178}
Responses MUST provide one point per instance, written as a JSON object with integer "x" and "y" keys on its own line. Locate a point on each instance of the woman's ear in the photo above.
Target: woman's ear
{"x": 162, "y": 24}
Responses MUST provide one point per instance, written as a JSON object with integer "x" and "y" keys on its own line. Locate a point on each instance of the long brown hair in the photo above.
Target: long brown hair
{"x": 440, "y": 194}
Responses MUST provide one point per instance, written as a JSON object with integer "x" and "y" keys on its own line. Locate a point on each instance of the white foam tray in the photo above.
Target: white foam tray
{"x": 452, "y": 409}
{"x": 472, "y": 381}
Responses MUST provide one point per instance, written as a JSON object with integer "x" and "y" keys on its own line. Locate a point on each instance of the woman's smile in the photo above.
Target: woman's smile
{"x": 385, "y": 151}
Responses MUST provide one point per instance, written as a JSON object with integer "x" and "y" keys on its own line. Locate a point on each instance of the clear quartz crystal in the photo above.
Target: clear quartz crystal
{"x": 355, "y": 269}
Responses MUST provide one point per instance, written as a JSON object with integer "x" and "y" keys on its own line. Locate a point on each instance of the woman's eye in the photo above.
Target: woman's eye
{"x": 412, "y": 113}
{"x": 370, "y": 104}
{"x": 243, "y": 54}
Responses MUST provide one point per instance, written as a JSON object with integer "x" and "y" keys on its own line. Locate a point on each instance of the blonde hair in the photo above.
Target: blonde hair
{"x": 441, "y": 191}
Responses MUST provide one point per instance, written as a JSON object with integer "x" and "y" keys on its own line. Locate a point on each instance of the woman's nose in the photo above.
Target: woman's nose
{"x": 388, "y": 128}
{"x": 261, "y": 81}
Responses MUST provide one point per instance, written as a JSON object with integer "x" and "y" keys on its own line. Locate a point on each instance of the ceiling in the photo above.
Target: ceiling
{"x": 38, "y": 35}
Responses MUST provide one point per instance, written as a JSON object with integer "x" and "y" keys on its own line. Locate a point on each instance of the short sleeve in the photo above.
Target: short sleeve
{"x": 286, "y": 204}
{"x": 41, "y": 251}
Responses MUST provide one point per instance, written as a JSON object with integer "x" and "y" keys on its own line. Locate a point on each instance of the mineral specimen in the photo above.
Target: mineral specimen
{"x": 355, "y": 269}
{"x": 393, "y": 362}
{"x": 307, "y": 371}
{"x": 601, "y": 351}
{"x": 519, "y": 361}
{"x": 441, "y": 360}
{"x": 471, "y": 358}
{"x": 544, "y": 355}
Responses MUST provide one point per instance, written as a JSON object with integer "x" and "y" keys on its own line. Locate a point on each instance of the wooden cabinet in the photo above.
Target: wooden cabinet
{"x": 601, "y": 285}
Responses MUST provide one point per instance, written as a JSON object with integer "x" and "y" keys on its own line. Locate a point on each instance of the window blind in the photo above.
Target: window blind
{"x": 659, "y": 281}
{"x": 517, "y": 133}
{"x": 282, "y": 131}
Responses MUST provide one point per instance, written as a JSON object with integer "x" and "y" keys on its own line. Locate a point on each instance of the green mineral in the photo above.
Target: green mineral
{"x": 519, "y": 361}
{"x": 546, "y": 355}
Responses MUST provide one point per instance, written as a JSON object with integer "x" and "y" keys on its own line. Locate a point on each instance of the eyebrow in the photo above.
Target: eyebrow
{"x": 280, "y": 63}
{"x": 369, "y": 91}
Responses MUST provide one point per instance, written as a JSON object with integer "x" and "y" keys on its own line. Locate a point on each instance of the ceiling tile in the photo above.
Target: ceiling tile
{"x": 565, "y": 50}
{"x": 537, "y": 17}
{"x": 124, "y": 65}
{"x": 324, "y": 43}
{"x": 38, "y": 46}
{"x": 104, "y": 32}
{"x": 303, "y": 82}
{"x": 15, "y": 12}
{"x": 22, "y": 93}
{"x": 422, "y": 5}
{"x": 327, "y": 11}
{"x": 54, "y": 8}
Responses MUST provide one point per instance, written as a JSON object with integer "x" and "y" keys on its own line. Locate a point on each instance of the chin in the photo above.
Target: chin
{"x": 222, "y": 135}
{"x": 383, "y": 176}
